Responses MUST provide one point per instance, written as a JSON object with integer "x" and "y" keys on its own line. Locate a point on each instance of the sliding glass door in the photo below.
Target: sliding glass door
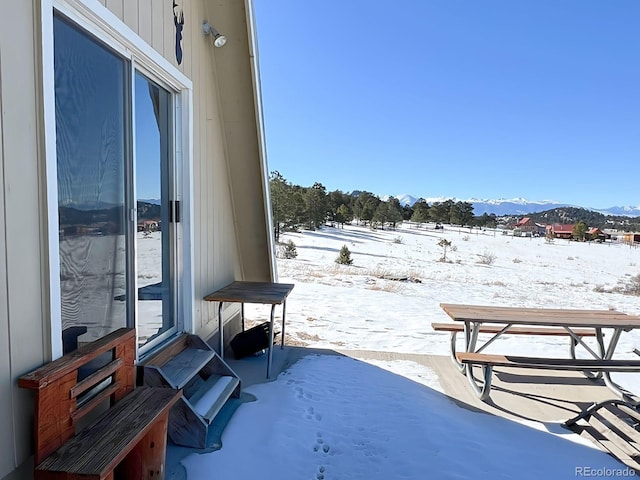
{"x": 117, "y": 220}
{"x": 153, "y": 191}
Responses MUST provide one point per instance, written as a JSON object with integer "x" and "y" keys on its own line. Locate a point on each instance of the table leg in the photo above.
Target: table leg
{"x": 270, "y": 353}
{"x": 284, "y": 309}
{"x": 242, "y": 315}
{"x": 600, "y": 355}
{"x": 221, "y": 330}
{"x": 613, "y": 343}
{"x": 454, "y": 359}
{"x": 467, "y": 342}
{"x": 470, "y": 340}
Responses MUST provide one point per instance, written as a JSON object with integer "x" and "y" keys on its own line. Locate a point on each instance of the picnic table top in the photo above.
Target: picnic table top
{"x": 560, "y": 317}
{"x": 252, "y": 292}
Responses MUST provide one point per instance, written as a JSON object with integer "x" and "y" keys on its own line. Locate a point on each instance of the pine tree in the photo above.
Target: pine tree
{"x": 344, "y": 258}
{"x": 343, "y": 215}
{"x": 420, "y": 211}
{"x": 579, "y": 230}
{"x": 317, "y": 205}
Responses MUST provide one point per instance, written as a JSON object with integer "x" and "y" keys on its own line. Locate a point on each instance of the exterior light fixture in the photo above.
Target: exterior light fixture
{"x": 218, "y": 39}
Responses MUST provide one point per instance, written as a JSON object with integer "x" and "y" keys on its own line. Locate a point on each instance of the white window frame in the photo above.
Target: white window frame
{"x": 98, "y": 21}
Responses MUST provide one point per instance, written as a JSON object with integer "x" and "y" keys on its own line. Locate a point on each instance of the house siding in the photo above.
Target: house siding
{"x": 22, "y": 220}
{"x": 231, "y": 235}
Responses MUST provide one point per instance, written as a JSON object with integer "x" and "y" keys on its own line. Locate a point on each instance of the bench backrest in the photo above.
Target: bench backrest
{"x": 63, "y": 396}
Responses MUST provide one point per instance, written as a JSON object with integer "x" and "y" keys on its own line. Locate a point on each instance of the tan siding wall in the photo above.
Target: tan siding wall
{"x": 23, "y": 219}
{"x": 215, "y": 245}
{"x": 130, "y": 14}
{"x": 21, "y": 265}
{"x": 7, "y": 459}
{"x": 144, "y": 20}
{"x": 116, "y": 7}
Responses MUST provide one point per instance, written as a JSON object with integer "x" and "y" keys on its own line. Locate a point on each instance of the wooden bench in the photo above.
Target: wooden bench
{"x": 90, "y": 421}
{"x": 488, "y": 361}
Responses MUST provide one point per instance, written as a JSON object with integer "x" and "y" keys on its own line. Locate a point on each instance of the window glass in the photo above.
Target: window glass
{"x": 90, "y": 99}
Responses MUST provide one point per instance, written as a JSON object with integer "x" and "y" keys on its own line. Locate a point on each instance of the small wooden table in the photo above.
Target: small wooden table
{"x": 268, "y": 293}
{"x": 474, "y": 316}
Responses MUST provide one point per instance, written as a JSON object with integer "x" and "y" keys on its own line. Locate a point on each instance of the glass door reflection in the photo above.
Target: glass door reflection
{"x": 91, "y": 86}
{"x": 153, "y": 181}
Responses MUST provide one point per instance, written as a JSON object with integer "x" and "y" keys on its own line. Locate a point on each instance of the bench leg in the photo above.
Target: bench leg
{"x": 147, "y": 460}
{"x": 454, "y": 359}
{"x": 482, "y": 391}
{"x": 573, "y": 343}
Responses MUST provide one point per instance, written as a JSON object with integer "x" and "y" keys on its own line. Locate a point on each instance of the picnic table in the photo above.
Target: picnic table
{"x": 242, "y": 292}
{"x": 574, "y": 323}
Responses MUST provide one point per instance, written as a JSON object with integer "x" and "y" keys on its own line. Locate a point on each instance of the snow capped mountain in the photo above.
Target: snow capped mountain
{"x": 624, "y": 211}
{"x": 515, "y": 206}
{"x": 406, "y": 199}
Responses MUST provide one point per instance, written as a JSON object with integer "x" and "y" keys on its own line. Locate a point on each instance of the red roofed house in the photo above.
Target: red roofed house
{"x": 526, "y": 225}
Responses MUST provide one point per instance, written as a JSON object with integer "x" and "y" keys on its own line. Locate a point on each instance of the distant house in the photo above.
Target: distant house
{"x": 541, "y": 229}
{"x": 528, "y": 228}
{"x": 526, "y": 225}
{"x": 558, "y": 230}
{"x": 597, "y": 235}
{"x": 631, "y": 238}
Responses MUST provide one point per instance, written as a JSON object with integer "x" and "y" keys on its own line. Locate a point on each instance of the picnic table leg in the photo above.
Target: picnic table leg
{"x": 601, "y": 348}
{"x": 454, "y": 359}
{"x": 471, "y": 339}
{"x": 482, "y": 391}
{"x": 574, "y": 340}
{"x": 613, "y": 343}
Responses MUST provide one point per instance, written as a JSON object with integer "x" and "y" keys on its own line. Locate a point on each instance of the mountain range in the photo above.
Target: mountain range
{"x": 519, "y": 206}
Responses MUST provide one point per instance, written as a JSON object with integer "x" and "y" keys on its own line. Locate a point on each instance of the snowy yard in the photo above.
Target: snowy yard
{"x": 338, "y": 418}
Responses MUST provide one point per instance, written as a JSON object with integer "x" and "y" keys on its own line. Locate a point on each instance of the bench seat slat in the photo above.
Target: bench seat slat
{"x": 515, "y": 330}
{"x": 549, "y": 363}
{"x": 98, "y": 448}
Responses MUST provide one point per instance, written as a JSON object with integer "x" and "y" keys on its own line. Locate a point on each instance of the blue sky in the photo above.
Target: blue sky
{"x": 459, "y": 98}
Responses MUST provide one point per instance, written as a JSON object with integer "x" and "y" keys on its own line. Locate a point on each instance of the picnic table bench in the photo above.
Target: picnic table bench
{"x": 475, "y": 319}
{"x": 496, "y": 330}
{"x": 127, "y": 434}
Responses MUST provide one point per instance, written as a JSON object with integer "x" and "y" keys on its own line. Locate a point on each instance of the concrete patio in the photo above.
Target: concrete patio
{"x": 545, "y": 396}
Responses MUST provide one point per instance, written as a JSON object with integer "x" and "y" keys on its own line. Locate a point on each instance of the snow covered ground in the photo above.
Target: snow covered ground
{"x": 337, "y": 418}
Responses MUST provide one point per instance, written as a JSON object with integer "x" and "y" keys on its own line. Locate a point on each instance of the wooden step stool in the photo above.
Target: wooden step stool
{"x": 190, "y": 364}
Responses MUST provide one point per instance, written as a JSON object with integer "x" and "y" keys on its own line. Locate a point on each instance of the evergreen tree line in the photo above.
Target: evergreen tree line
{"x": 295, "y": 207}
